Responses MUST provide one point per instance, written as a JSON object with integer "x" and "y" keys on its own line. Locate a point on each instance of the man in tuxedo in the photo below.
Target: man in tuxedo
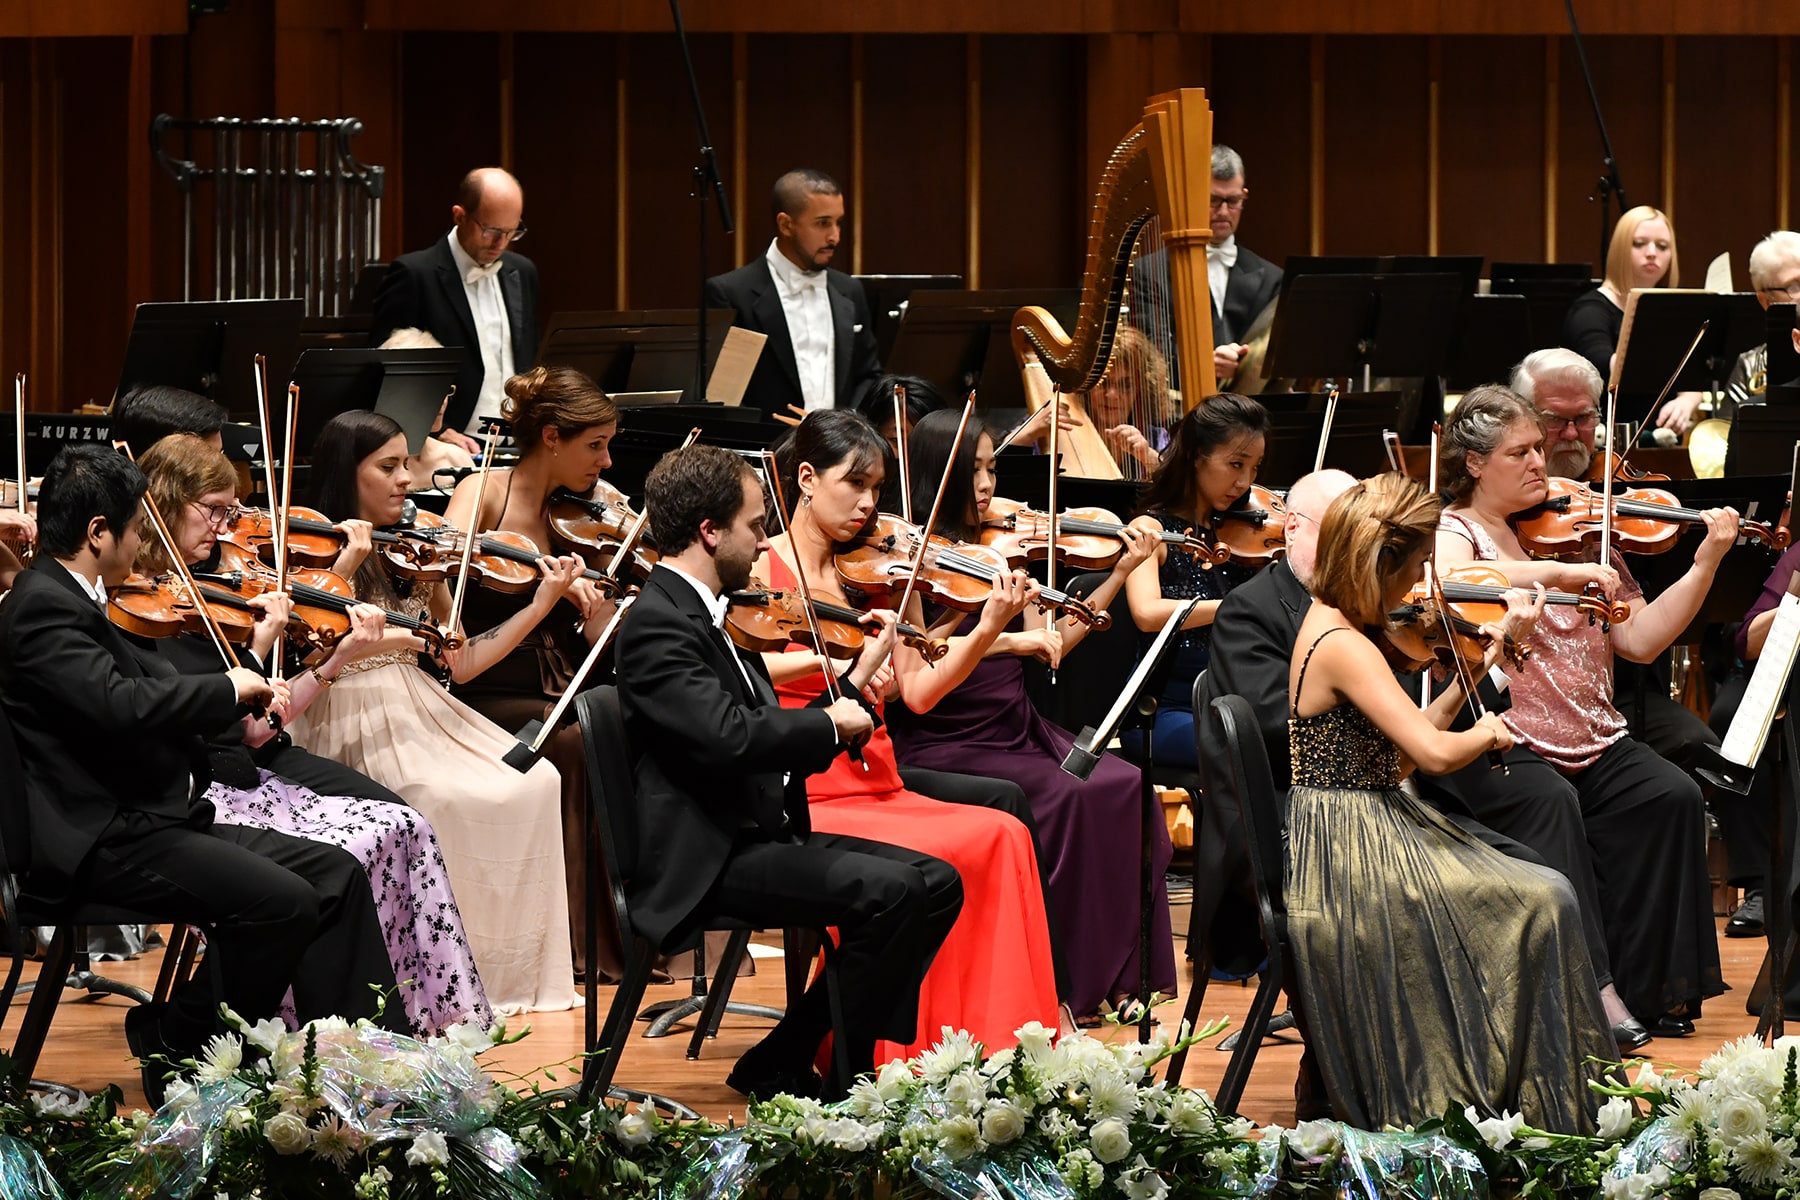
{"x": 821, "y": 348}
{"x": 721, "y": 780}
{"x": 470, "y": 290}
{"x": 115, "y": 772}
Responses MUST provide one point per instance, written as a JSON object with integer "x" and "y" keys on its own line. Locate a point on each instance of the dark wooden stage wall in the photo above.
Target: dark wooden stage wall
{"x": 970, "y": 150}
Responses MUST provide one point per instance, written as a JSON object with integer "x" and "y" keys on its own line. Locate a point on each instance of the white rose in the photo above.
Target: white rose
{"x": 1739, "y": 1117}
{"x": 428, "y": 1149}
{"x": 635, "y": 1129}
{"x": 851, "y": 1136}
{"x": 287, "y": 1133}
{"x": 1110, "y": 1139}
{"x": 966, "y": 1091}
{"x": 1314, "y": 1139}
{"x": 959, "y": 1137}
{"x": 1616, "y": 1116}
{"x": 893, "y": 1082}
{"x": 1002, "y": 1122}
{"x": 1717, "y": 1193}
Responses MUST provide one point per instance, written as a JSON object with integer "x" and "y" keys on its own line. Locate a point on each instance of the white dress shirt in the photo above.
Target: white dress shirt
{"x": 492, "y": 329}
{"x": 806, "y": 303}
{"x": 716, "y": 607}
{"x": 1219, "y": 261}
{"x": 95, "y": 587}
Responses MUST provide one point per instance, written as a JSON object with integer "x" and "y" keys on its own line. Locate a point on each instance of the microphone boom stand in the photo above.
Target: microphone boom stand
{"x": 706, "y": 181}
{"x": 1608, "y": 185}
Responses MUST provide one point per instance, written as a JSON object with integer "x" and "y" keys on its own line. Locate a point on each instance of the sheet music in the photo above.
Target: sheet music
{"x": 1171, "y": 628}
{"x": 731, "y": 370}
{"x": 1749, "y": 730}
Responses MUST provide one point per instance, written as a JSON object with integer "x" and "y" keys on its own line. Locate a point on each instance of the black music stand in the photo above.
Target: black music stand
{"x": 1763, "y": 435}
{"x": 210, "y": 347}
{"x": 962, "y": 340}
{"x": 890, "y": 296}
{"x": 407, "y": 385}
{"x": 1778, "y": 335}
{"x": 635, "y": 350}
{"x": 1514, "y": 272}
{"x": 1659, "y": 326}
{"x": 1493, "y": 335}
{"x": 1359, "y": 326}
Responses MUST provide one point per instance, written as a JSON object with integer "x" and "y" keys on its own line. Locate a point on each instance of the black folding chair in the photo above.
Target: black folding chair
{"x": 1252, "y": 786}
{"x": 612, "y": 832}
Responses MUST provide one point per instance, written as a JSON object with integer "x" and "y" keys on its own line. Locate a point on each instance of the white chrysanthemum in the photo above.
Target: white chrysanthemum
{"x": 1733, "y": 1056}
{"x": 1188, "y": 1112}
{"x": 335, "y": 1141}
{"x": 1764, "y": 1162}
{"x": 865, "y": 1099}
{"x": 1111, "y": 1096}
{"x": 1616, "y": 1116}
{"x": 1002, "y": 1121}
{"x": 1056, "y": 1125}
{"x": 959, "y": 1137}
{"x": 999, "y": 1064}
{"x": 1110, "y": 1140}
{"x": 966, "y": 1091}
{"x": 220, "y": 1059}
{"x": 1738, "y": 1117}
{"x": 1687, "y": 1109}
{"x": 954, "y": 1051}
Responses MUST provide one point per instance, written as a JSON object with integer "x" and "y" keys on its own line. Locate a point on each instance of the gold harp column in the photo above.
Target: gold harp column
{"x": 1316, "y": 174}
{"x": 1552, "y": 119}
{"x": 1433, "y": 170}
{"x": 622, "y": 177}
{"x": 857, "y": 200}
{"x": 740, "y": 140}
{"x": 972, "y": 159}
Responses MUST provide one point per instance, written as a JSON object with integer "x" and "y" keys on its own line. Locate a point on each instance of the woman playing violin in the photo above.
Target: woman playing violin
{"x": 561, "y": 422}
{"x": 1088, "y": 829}
{"x": 1392, "y": 908}
{"x": 501, "y": 831}
{"x": 1209, "y": 467}
{"x": 1627, "y": 827}
{"x": 260, "y": 779}
{"x": 995, "y": 970}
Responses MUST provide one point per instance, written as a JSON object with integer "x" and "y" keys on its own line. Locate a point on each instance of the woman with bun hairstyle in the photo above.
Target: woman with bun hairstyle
{"x": 501, "y": 832}
{"x": 561, "y": 424}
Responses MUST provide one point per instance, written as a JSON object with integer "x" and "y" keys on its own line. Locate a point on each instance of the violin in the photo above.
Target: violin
{"x": 1086, "y": 538}
{"x": 595, "y": 526}
{"x": 763, "y": 620}
{"x": 1253, "y": 531}
{"x": 957, "y": 575}
{"x": 1423, "y": 632}
{"x": 1477, "y": 584}
{"x": 322, "y": 600}
{"x": 161, "y": 607}
{"x": 1645, "y": 521}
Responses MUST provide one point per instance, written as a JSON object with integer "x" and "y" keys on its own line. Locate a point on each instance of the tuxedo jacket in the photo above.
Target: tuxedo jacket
{"x": 424, "y": 290}
{"x": 1250, "y": 284}
{"x": 710, "y": 752}
{"x": 750, "y": 293}
{"x": 102, "y": 727}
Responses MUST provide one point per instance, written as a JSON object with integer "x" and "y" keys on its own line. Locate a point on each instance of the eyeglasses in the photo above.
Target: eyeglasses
{"x": 215, "y": 514}
{"x": 1789, "y": 291}
{"x": 1232, "y": 202}
{"x": 1585, "y": 422}
{"x": 489, "y": 233}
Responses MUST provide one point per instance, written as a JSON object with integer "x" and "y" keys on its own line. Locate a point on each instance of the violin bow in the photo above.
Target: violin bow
{"x": 1431, "y": 473}
{"x": 1331, "y": 403}
{"x": 1050, "y": 516}
{"x": 277, "y": 527}
{"x": 1667, "y": 387}
{"x": 523, "y": 754}
{"x": 900, "y": 452}
{"x": 1604, "y": 555}
{"x": 180, "y": 567}
{"x": 471, "y": 536}
{"x": 19, "y": 443}
{"x": 1463, "y": 671}
{"x": 281, "y": 520}
{"x": 912, "y": 577}
{"x": 637, "y": 527}
{"x": 1390, "y": 441}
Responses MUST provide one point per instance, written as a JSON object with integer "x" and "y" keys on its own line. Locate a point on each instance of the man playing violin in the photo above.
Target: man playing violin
{"x": 724, "y": 829}
{"x": 124, "y": 825}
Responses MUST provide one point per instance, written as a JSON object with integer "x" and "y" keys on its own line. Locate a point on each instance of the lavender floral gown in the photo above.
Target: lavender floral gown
{"x": 396, "y": 846}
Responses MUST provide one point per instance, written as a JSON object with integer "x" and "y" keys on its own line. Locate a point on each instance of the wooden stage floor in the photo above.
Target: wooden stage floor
{"x": 87, "y": 1041}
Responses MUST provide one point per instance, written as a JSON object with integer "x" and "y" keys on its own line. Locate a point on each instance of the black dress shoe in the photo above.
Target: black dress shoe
{"x": 1630, "y": 1034}
{"x": 1747, "y": 921}
{"x": 143, "y": 1035}
{"x": 802, "y": 1082}
{"x": 1669, "y": 1026}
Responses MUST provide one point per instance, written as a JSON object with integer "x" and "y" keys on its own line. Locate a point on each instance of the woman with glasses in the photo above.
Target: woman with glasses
{"x": 1626, "y": 826}
{"x": 194, "y": 487}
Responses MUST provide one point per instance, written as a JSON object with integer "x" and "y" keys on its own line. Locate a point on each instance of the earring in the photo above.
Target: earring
{"x": 806, "y": 500}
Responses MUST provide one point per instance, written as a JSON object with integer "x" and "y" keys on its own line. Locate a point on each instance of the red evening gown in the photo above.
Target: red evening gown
{"x": 993, "y": 973}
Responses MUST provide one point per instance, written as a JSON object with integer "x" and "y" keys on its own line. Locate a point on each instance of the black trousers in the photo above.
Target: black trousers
{"x": 279, "y": 912}
{"x": 1003, "y": 795}
{"x": 322, "y": 775}
{"x": 1629, "y": 833}
{"x": 892, "y": 908}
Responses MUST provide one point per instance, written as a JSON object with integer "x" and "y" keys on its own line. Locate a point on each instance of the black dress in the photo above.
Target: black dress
{"x": 1591, "y": 329}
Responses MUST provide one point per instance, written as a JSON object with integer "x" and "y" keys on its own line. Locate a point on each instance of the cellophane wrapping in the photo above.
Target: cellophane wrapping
{"x": 23, "y": 1175}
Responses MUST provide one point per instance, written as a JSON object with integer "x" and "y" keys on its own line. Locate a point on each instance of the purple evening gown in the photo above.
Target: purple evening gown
{"x": 438, "y": 982}
{"x": 1090, "y": 830}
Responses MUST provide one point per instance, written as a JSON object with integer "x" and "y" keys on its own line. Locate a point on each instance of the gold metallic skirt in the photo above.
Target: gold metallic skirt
{"x": 1435, "y": 971}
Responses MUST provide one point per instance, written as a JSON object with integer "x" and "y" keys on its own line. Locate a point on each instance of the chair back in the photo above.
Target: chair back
{"x": 612, "y": 788}
{"x": 1087, "y": 682}
{"x": 1252, "y": 785}
{"x": 15, "y": 818}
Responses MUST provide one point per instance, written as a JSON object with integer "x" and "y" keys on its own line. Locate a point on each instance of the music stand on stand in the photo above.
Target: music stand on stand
{"x": 1360, "y": 326}
{"x": 1660, "y": 324}
{"x": 1135, "y": 708}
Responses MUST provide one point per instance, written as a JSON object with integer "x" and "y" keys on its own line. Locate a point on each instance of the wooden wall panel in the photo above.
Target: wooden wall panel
{"x": 915, "y": 111}
{"x": 1375, "y": 145}
{"x": 449, "y": 123}
{"x": 798, "y": 94}
{"x": 565, "y": 154}
{"x": 1490, "y": 149}
{"x": 15, "y": 205}
{"x": 1628, "y": 76}
{"x": 664, "y": 266}
{"x": 96, "y": 313}
{"x": 1724, "y": 151}
{"x": 1034, "y": 198}
{"x": 1260, "y": 101}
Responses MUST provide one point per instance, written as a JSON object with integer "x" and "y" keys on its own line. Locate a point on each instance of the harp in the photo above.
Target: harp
{"x": 1145, "y": 276}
